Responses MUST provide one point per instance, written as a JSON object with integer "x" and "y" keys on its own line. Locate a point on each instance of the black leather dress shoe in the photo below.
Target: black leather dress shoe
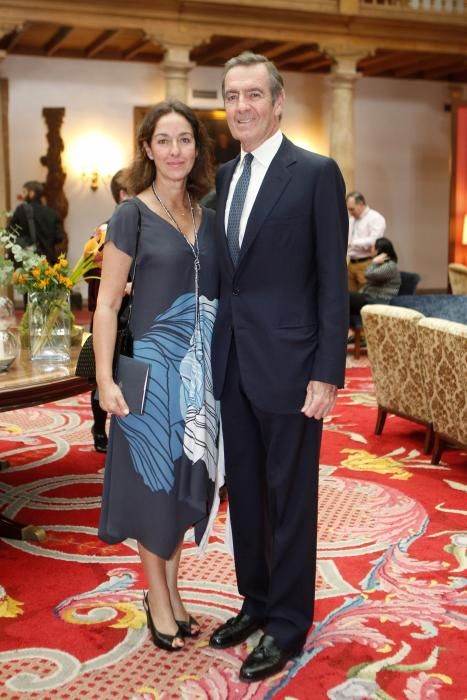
{"x": 233, "y": 632}
{"x": 265, "y": 660}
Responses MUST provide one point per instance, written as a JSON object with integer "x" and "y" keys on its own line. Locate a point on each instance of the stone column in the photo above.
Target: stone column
{"x": 176, "y": 67}
{"x": 177, "y": 39}
{"x": 342, "y": 79}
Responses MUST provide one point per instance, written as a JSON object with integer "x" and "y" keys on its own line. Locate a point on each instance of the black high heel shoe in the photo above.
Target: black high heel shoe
{"x": 185, "y": 627}
{"x": 163, "y": 641}
{"x": 100, "y": 441}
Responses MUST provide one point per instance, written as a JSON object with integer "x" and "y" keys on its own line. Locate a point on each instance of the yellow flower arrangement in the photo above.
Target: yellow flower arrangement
{"x": 44, "y": 283}
{"x": 34, "y": 273}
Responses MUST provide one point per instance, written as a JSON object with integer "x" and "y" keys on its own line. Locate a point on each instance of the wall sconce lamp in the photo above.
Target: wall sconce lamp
{"x": 93, "y": 178}
{"x": 95, "y": 157}
{"x": 464, "y": 231}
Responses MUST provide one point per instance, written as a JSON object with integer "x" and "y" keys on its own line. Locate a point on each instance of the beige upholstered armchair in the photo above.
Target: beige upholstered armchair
{"x": 444, "y": 346}
{"x": 396, "y": 363}
{"x": 457, "y": 278}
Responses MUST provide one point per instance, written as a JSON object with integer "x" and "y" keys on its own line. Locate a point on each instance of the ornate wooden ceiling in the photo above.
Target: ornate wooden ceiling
{"x": 432, "y": 48}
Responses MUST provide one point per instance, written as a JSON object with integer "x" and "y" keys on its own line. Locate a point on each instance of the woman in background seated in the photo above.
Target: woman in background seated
{"x": 383, "y": 278}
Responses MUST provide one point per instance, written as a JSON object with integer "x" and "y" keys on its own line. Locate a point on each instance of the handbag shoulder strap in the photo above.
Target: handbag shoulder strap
{"x": 134, "y": 264}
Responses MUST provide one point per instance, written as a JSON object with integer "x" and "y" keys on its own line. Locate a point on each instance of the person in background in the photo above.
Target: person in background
{"x": 365, "y": 227}
{"x": 161, "y": 471}
{"x": 383, "y": 278}
{"x": 278, "y": 355}
{"x": 39, "y": 226}
{"x": 119, "y": 193}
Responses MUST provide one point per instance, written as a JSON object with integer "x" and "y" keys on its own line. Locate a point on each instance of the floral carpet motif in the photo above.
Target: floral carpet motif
{"x": 390, "y": 618}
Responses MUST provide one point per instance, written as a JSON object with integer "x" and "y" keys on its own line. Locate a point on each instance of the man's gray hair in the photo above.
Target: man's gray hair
{"x": 248, "y": 58}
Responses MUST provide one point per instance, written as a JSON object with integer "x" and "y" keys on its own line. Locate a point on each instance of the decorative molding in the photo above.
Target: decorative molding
{"x": 391, "y": 26}
{"x": 52, "y": 160}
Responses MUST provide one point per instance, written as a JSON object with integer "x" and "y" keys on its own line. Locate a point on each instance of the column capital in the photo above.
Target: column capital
{"x": 177, "y": 57}
{"x": 178, "y": 35}
{"x": 8, "y": 27}
{"x": 346, "y": 58}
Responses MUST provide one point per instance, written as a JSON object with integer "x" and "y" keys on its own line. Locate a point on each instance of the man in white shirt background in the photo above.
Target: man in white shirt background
{"x": 365, "y": 227}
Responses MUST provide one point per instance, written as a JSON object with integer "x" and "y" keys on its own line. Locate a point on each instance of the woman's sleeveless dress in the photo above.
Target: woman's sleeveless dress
{"x": 160, "y": 473}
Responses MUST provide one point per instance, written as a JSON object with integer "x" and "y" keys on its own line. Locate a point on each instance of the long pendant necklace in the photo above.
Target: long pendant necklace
{"x": 196, "y": 266}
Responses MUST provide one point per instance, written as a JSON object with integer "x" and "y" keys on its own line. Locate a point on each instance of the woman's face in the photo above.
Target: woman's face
{"x": 172, "y": 147}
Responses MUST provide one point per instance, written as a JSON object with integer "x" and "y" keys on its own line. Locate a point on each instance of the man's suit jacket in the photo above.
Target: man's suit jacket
{"x": 48, "y": 230}
{"x": 286, "y": 302}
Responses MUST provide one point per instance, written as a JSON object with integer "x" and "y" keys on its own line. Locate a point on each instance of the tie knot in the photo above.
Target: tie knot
{"x": 247, "y": 159}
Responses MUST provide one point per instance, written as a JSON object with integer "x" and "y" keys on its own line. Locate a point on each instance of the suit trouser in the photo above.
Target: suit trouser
{"x": 272, "y": 481}
{"x": 356, "y": 274}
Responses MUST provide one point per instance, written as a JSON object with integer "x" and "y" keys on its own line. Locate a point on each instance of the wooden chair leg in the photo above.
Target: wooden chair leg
{"x": 380, "y": 420}
{"x": 429, "y": 437}
{"x": 358, "y": 340}
{"x": 437, "y": 449}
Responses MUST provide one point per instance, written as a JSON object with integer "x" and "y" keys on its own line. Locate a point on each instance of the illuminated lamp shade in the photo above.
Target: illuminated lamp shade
{"x": 94, "y": 157}
{"x": 464, "y": 231}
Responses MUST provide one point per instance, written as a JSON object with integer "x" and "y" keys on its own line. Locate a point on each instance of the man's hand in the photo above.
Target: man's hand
{"x": 320, "y": 399}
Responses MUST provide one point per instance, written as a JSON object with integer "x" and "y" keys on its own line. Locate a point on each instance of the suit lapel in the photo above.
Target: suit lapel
{"x": 222, "y": 195}
{"x": 275, "y": 181}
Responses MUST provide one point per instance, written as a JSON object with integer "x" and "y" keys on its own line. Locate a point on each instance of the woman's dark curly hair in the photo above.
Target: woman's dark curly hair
{"x": 142, "y": 172}
{"x": 384, "y": 245}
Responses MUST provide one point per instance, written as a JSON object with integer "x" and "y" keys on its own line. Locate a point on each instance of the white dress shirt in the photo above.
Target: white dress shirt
{"x": 262, "y": 157}
{"x": 363, "y": 233}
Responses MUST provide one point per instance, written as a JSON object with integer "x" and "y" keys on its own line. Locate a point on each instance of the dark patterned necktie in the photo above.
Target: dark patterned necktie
{"x": 236, "y": 208}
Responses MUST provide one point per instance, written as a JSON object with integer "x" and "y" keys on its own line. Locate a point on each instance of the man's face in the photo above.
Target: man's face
{"x": 354, "y": 208}
{"x": 251, "y": 116}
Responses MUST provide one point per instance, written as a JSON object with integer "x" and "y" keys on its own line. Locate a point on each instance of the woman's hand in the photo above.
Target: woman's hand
{"x": 381, "y": 258}
{"x": 111, "y": 399}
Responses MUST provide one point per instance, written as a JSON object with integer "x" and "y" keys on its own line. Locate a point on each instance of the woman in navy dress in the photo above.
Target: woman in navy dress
{"x": 160, "y": 475}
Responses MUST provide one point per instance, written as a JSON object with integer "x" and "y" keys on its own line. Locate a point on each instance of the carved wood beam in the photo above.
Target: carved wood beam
{"x": 300, "y": 58}
{"x": 280, "y": 50}
{"x": 391, "y": 63}
{"x": 13, "y": 28}
{"x": 54, "y": 43}
{"x": 98, "y": 44}
{"x": 318, "y": 65}
{"x": 454, "y": 68}
{"x": 425, "y": 63}
{"x": 233, "y": 49}
{"x": 137, "y": 48}
{"x": 15, "y": 36}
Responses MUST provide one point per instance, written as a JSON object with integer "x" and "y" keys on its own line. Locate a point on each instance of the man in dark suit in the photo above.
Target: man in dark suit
{"x": 38, "y": 226}
{"x": 278, "y": 354}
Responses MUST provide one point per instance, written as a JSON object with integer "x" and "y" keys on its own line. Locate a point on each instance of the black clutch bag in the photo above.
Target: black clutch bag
{"x": 86, "y": 363}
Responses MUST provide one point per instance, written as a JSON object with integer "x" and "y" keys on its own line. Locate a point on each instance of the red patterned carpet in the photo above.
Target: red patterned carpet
{"x": 391, "y": 616}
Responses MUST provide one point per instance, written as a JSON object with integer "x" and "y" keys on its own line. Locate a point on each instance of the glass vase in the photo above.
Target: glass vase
{"x": 8, "y": 349}
{"x": 49, "y": 321}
